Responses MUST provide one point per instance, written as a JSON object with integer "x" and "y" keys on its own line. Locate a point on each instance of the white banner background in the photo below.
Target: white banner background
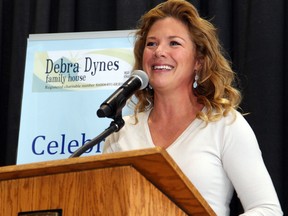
{"x": 67, "y": 77}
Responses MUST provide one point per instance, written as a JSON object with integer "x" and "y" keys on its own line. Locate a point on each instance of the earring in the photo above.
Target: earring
{"x": 195, "y": 84}
{"x": 149, "y": 89}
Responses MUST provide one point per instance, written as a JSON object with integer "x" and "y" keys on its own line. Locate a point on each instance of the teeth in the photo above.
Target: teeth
{"x": 162, "y": 67}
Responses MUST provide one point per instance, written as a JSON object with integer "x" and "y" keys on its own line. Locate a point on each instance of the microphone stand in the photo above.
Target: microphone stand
{"x": 115, "y": 126}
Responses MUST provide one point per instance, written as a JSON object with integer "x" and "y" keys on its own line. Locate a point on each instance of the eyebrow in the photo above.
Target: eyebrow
{"x": 170, "y": 37}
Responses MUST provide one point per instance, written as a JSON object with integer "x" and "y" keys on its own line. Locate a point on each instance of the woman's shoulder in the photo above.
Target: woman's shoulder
{"x": 235, "y": 123}
{"x": 233, "y": 117}
{"x": 234, "y": 120}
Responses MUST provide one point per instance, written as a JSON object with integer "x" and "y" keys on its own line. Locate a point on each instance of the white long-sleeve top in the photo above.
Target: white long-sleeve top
{"x": 217, "y": 157}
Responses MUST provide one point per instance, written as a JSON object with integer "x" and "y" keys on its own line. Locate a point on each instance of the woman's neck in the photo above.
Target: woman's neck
{"x": 175, "y": 107}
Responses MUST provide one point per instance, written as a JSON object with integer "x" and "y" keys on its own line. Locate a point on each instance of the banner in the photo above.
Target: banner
{"x": 67, "y": 77}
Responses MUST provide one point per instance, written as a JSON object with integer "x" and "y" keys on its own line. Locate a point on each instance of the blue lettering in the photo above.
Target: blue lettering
{"x": 70, "y": 145}
{"x": 52, "y": 145}
{"x": 61, "y": 146}
{"x": 34, "y": 144}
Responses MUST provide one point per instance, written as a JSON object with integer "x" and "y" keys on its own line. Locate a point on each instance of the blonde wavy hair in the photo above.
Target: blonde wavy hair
{"x": 215, "y": 85}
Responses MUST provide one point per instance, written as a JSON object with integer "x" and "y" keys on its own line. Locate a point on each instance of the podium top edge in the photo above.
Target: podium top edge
{"x": 24, "y": 170}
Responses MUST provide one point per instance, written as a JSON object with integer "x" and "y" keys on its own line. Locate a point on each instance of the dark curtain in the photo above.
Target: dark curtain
{"x": 253, "y": 32}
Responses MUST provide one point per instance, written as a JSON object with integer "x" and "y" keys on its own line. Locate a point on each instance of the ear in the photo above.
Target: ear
{"x": 199, "y": 63}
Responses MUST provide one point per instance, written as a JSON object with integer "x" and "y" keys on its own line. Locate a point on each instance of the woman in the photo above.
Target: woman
{"x": 189, "y": 109}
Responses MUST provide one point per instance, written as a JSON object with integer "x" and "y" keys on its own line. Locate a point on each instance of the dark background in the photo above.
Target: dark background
{"x": 253, "y": 32}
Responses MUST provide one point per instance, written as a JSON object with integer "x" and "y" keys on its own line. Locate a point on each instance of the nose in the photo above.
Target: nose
{"x": 159, "y": 52}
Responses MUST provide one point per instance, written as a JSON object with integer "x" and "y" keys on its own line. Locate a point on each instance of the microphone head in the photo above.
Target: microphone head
{"x": 142, "y": 76}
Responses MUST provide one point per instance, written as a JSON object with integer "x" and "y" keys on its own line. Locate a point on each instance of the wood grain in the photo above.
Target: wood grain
{"x": 142, "y": 182}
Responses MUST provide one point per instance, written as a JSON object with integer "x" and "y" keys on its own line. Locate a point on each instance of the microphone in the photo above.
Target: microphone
{"x": 113, "y": 105}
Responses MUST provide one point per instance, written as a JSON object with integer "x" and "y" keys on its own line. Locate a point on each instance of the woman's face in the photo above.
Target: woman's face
{"x": 169, "y": 56}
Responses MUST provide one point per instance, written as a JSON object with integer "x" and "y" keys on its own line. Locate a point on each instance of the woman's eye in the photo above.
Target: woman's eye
{"x": 174, "y": 43}
{"x": 151, "y": 43}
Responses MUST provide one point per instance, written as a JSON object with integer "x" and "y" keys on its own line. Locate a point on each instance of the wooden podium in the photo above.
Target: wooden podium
{"x": 142, "y": 182}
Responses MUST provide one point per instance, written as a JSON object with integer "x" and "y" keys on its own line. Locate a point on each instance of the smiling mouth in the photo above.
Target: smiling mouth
{"x": 162, "y": 67}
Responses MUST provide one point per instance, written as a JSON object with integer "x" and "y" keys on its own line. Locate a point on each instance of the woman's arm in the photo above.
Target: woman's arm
{"x": 243, "y": 162}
